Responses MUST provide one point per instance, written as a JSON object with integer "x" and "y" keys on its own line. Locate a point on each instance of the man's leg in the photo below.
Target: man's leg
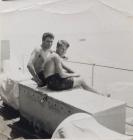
{"x": 79, "y": 82}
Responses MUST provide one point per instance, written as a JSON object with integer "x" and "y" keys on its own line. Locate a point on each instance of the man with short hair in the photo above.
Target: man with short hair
{"x": 38, "y": 57}
{"x": 61, "y": 49}
{"x": 56, "y": 77}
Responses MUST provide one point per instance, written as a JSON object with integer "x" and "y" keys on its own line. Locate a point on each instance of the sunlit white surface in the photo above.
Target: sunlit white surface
{"x": 125, "y": 6}
{"x": 99, "y": 31}
{"x": 13, "y": 5}
{"x": 82, "y": 125}
{"x": 108, "y": 112}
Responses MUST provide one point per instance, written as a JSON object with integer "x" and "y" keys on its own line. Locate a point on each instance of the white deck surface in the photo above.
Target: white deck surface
{"x": 80, "y": 98}
{"x": 107, "y": 111}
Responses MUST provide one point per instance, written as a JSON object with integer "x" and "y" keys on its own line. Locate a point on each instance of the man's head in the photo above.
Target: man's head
{"x": 61, "y": 48}
{"x": 47, "y": 40}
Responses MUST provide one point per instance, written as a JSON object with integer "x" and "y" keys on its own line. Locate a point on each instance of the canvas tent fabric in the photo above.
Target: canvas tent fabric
{"x": 82, "y": 125}
{"x": 100, "y": 17}
{"x": 124, "y": 6}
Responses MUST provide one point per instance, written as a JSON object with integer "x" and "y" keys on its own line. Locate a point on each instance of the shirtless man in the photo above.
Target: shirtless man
{"x": 37, "y": 59}
{"x": 61, "y": 49}
{"x": 56, "y": 77}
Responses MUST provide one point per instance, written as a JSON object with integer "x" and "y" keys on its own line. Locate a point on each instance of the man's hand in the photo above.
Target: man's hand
{"x": 76, "y": 75}
{"x": 38, "y": 81}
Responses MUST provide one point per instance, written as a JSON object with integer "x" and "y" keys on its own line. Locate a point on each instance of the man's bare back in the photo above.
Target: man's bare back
{"x": 50, "y": 67}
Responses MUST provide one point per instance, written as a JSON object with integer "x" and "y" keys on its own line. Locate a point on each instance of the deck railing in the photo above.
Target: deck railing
{"x": 93, "y": 66}
{"x": 97, "y": 65}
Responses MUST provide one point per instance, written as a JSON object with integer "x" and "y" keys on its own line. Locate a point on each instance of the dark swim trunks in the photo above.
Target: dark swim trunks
{"x": 55, "y": 82}
{"x": 42, "y": 78}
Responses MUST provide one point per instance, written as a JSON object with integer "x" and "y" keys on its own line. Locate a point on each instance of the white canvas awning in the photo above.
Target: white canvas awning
{"x": 67, "y": 6}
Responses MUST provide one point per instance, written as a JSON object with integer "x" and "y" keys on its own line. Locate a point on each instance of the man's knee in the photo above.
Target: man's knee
{"x": 81, "y": 80}
{"x": 78, "y": 81}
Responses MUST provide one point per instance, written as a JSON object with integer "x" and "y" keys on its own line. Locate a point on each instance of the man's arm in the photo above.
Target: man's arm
{"x": 31, "y": 67}
{"x": 67, "y": 68}
{"x": 59, "y": 68}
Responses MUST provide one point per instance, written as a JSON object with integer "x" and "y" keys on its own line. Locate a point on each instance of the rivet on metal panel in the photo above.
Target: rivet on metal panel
{"x": 32, "y": 94}
{"x": 48, "y": 102}
{"x": 69, "y": 111}
{"x": 44, "y": 99}
{"x": 61, "y": 108}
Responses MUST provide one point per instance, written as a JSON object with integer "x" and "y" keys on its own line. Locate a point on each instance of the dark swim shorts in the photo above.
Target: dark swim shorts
{"x": 55, "y": 82}
{"x": 42, "y": 78}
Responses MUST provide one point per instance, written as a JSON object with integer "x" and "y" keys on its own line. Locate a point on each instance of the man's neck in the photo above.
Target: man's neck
{"x": 45, "y": 50}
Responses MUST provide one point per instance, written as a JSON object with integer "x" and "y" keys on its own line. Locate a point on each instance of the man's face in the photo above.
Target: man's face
{"x": 61, "y": 50}
{"x": 47, "y": 43}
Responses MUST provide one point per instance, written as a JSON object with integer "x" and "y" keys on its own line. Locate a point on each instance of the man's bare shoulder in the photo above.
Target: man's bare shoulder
{"x": 54, "y": 55}
{"x": 36, "y": 51}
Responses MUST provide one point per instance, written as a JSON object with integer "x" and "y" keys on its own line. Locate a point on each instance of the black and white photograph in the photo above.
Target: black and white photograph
{"x": 66, "y": 69}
